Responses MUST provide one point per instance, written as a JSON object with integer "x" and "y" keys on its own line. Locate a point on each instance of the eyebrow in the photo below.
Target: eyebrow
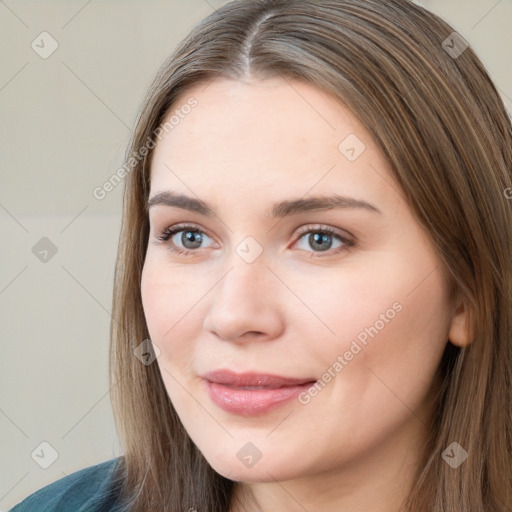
{"x": 279, "y": 210}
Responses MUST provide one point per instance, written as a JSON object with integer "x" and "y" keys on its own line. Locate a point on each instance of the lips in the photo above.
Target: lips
{"x": 256, "y": 380}
{"x": 252, "y": 394}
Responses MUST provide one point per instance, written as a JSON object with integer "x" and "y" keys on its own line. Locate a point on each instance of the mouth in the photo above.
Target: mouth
{"x": 252, "y": 394}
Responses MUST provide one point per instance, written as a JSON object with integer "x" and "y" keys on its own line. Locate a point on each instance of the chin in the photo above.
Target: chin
{"x": 266, "y": 469}
{"x": 248, "y": 475}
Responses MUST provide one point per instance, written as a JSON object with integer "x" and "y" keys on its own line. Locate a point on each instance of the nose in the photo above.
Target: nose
{"x": 244, "y": 304}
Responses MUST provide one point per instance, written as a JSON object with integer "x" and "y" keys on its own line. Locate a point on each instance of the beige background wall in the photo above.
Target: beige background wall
{"x": 64, "y": 123}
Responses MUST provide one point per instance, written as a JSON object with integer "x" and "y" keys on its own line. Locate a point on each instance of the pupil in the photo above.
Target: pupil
{"x": 319, "y": 238}
{"x": 192, "y": 237}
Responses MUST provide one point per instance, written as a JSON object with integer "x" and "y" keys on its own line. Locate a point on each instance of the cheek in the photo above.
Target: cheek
{"x": 392, "y": 306}
{"x": 390, "y": 333}
{"x": 410, "y": 347}
{"x": 170, "y": 296}
{"x": 348, "y": 303}
{"x": 168, "y": 318}
{"x": 167, "y": 304}
{"x": 154, "y": 300}
{"x": 390, "y": 319}
{"x": 393, "y": 339}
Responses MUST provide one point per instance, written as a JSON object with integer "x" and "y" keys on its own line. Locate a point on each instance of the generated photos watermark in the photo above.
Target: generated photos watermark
{"x": 355, "y": 348}
{"x": 101, "y": 192}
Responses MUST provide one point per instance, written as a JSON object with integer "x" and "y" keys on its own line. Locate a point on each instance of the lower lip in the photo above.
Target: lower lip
{"x": 252, "y": 402}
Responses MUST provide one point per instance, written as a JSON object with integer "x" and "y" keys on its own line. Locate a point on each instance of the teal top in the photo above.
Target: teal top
{"x": 91, "y": 489}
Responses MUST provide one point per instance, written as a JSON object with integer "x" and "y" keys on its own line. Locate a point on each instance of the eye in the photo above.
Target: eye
{"x": 186, "y": 239}
{"x": 321, "y": 240}
{"x": 190, "y": 238}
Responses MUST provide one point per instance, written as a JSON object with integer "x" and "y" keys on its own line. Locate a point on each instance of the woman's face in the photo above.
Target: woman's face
{"x": 264, "y": 289}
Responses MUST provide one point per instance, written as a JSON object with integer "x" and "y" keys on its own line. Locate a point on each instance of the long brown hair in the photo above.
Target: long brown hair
{"x": 439, "y": 120}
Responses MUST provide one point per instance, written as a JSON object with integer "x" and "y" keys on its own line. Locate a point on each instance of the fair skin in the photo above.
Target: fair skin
{"x": 293, "y": 310}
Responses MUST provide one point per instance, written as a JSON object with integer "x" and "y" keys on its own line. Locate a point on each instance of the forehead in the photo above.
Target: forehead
{"x": 258, "y": 135}
{"x": 274, "y": 111}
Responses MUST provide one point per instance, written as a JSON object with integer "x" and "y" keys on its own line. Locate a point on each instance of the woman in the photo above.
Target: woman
{"x": 312, "y": 304}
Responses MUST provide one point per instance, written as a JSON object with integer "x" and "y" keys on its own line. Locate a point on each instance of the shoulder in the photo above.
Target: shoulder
{"x": 89, "y": 489}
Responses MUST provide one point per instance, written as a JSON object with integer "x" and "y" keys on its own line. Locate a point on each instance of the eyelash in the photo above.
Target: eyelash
{"x": 169, "y": 232}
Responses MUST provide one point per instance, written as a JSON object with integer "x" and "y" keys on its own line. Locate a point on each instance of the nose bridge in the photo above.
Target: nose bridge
{"x": 247, "y": 274}
{"x": 244, "y": 300}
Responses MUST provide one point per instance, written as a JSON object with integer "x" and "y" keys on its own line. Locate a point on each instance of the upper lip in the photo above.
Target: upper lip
{"x": 253, "y": 379}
